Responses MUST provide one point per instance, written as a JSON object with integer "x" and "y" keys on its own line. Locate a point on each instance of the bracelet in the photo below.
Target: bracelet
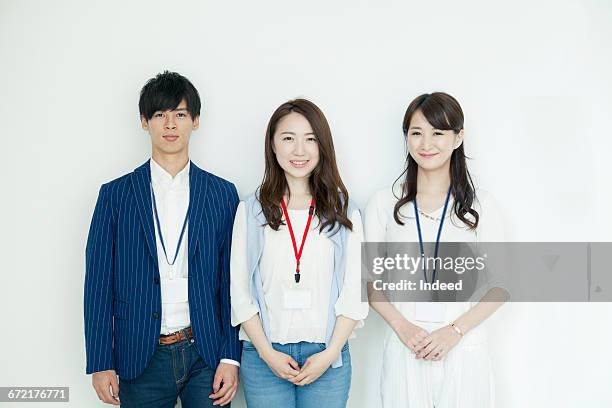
{"x": 457, "y": 329}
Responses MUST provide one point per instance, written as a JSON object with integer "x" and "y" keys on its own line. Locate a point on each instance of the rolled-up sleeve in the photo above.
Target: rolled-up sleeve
{"x": 492, "y": 234}
{"x": 349, "y": 302}
{"x": 243, "y": 307}
{"x": 375, "y": 230}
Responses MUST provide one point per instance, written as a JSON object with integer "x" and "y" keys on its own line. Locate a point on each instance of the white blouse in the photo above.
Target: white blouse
{"x": 380, "y": 226}
{"x": 277, "y": 268}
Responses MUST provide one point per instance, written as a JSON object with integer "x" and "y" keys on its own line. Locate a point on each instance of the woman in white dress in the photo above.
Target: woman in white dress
{"x": 429, "y": 361}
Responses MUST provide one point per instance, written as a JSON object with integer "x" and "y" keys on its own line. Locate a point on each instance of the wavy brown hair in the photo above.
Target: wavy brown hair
{"x": 443, "y": 112}
{"x": 326, "y": 186}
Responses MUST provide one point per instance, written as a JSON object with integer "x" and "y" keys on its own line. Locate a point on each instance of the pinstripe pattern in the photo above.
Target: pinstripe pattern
{"x": 121, "y": 295}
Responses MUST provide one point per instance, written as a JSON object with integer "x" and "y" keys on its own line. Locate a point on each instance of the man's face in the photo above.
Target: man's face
{"x": 170, "y": 130}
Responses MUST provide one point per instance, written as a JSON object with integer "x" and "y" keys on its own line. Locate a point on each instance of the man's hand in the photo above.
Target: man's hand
{"x": 225, "y": 384}
{"x": 106, "y": 385}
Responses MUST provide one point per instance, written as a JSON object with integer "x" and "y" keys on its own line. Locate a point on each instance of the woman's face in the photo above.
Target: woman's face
{"x": 296, "y": 146}
{"x": 431, "y": 148}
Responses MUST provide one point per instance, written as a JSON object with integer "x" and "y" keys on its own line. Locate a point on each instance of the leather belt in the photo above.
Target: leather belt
{"x": 175, "y": 337}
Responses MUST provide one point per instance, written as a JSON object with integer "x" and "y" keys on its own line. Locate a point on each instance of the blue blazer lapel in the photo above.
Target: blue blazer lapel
{"x": 141, "y": 182}
{"x": 198, "y": 189}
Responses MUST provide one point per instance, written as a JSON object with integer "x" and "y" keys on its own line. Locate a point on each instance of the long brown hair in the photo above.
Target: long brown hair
{"x": 443, "y": 112}
{"x": 326, "y": 186}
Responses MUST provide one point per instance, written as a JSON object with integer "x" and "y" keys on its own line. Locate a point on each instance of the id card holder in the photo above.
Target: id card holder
{"x": 295, "y": 297}
{"x": 174, "y": 290}
{"x": 432, "y": 312}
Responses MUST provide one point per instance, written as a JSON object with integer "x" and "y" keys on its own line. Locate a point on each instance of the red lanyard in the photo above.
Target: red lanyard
{"x": 298, "y": 254}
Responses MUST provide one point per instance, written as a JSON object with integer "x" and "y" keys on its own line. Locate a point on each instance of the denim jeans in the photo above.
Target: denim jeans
{"x": 175, "y": 370}
{"x": 263, "y": 389}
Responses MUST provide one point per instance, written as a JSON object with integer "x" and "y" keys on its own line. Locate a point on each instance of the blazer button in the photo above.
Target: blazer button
{"x": 156, "y": 280}
{"x": 155, "y": 315}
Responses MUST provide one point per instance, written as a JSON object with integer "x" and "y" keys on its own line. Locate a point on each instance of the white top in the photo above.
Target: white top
{"x": 277, "y": 269}
{"x": 381, "y": 227}
{"x": 172, "y": 200}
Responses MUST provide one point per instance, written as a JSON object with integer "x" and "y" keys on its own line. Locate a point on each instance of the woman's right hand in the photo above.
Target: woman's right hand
{"x": 281, "y": 364}
{"x": 410, "y": 334}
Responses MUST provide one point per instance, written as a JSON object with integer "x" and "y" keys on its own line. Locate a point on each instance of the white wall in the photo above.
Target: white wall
{"x": 533, "y": 79}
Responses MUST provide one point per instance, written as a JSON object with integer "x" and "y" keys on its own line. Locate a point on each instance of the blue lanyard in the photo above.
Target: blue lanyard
{"x": 418, "y": 222}
{"x": 161, "y": 237}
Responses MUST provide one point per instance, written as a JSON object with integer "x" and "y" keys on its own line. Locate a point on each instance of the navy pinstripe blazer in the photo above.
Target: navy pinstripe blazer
{"x": 122, "y": 300}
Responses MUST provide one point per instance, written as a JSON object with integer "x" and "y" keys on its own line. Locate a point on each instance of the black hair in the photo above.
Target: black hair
{"x": 165, "y": 92}
{"x": 443, "y": 112}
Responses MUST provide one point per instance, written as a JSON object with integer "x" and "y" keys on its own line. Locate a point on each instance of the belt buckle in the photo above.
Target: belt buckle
{"x": 184, "y": 333}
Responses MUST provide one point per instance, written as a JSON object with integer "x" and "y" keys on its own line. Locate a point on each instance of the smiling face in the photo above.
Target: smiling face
{"x": 170, "y": 130}
{"x": 431, "y": 148}
{"x": 295, "y": 146}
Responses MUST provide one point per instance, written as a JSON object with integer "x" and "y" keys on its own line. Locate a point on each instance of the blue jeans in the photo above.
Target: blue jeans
{"x": 263, "y": 389}
{"x": 175, "y": 370}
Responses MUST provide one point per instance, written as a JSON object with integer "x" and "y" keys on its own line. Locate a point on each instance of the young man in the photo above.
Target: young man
{"x": 157, "y": 308}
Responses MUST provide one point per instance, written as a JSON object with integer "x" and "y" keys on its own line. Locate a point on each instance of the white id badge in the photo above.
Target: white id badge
{"x": 174, "y": 290}
{"x": 297, "y": 298}
{"x": 433, "y": 312}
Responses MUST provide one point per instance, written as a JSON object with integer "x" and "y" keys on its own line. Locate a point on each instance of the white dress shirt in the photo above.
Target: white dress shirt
{"x": 172, "y": 201}
{"x": 277, "y": 267}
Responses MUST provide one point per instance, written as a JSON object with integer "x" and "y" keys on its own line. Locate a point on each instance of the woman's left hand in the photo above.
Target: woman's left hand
{"x": 437, "y": 344}
{"x": 314, "y": 367}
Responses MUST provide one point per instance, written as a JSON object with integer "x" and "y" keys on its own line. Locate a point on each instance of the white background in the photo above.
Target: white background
{"x": 533, "y": 79}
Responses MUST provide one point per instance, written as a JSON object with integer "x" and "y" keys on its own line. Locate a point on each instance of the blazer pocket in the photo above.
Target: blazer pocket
{"x": 120, "y": 309}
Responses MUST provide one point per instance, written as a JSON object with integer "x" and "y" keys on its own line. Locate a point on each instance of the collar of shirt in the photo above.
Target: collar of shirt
{"x": 161, "y": 177}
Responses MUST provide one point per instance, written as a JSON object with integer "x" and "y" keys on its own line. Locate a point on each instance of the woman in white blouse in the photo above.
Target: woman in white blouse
{"x": 435, "y": 355}
{"x": 295, "y": 269}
